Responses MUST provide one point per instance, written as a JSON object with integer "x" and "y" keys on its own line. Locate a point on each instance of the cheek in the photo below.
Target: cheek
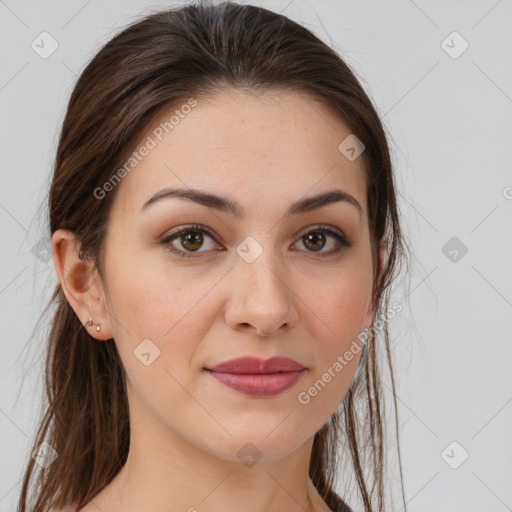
{"x": 336, "y": 312}
{"x": 159, "y": 321}
{"x": 172, "y": 310}
{"x": 340, "y": 302}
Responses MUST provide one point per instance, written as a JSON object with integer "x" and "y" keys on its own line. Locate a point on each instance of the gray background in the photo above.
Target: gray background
{"x": 449, "y": 119}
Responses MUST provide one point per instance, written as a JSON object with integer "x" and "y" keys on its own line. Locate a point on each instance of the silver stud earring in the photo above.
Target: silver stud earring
{"x": 89, "y": 323}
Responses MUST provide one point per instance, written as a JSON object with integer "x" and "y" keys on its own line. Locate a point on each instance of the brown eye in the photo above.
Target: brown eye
{"x": 192, "y": 238}
{"x": 192, "y": 241}
{"x": 314, "y": 240}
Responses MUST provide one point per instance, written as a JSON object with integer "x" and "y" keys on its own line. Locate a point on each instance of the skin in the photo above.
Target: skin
{"x": 264, "y": 152}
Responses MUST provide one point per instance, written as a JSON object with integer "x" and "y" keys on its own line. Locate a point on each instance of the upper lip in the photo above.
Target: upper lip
{"x": 256, "y": 365}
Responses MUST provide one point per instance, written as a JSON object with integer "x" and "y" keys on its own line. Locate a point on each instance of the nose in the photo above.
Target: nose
{"x": 261, "y": 297}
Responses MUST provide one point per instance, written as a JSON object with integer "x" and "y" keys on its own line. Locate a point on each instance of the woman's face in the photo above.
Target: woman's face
{"x": 251, "y": 284}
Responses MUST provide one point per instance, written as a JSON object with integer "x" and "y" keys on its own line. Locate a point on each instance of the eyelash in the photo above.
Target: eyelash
{"x": 342, "y": 240}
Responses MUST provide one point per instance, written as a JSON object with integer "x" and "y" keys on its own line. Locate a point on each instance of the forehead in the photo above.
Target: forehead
{"x": 261, "y": 149}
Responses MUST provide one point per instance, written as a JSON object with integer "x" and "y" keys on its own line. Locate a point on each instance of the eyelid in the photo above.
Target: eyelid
{"x": 186, "y": 229}
{"x": 321, "y": 227}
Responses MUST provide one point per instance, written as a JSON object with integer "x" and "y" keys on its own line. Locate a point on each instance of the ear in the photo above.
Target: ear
{"x": 81, "y": 284}
{"x": 372, "y": 307}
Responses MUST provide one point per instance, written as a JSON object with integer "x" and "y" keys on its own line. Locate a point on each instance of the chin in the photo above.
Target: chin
{"x": 255, "y": 445}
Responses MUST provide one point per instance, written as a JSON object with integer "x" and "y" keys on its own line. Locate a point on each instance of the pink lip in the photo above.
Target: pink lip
{"x": 258, "y": 377}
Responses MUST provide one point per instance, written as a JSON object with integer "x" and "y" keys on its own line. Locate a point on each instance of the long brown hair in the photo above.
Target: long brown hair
{"x": 155, "y": 62}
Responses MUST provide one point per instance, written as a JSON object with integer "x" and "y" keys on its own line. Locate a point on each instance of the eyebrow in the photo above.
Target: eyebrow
{"x": 224, "y": 204}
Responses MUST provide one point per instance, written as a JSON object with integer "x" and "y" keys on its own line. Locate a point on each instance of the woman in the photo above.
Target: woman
{"x": 225, "y": 231}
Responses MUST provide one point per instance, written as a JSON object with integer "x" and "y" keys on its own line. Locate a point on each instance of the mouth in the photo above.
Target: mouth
{"x": 256, "y": 377}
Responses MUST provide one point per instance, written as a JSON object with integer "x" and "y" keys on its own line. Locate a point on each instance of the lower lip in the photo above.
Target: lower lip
{"x": 258, "y": 384}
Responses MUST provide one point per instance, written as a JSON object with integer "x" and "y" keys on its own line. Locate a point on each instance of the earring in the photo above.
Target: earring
{"x": 89, "y": 322}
